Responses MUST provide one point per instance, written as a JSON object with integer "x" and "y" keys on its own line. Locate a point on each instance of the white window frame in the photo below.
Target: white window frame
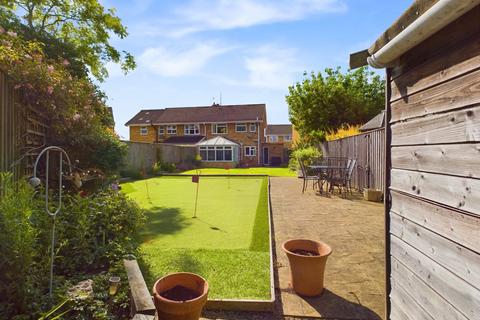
{"x": 215, "y": 149}
{"x": 215, "y": 128}
{"x": 250, "y": 151}
{"x": 188, "y": 127}
{"x": 254, "y": 127}
{"x": 161, "y": 130}
{"x": 172, "y": 129}
{"x": 241, "y": 124}
{"x": 143, "y": 131}
{"x": 273, "y": 138}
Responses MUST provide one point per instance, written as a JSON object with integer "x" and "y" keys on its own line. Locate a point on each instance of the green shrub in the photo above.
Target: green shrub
{"x": 95, "y": 231}
{"x": 306, "y": 154}
{"x": 17, "y": 246}
{"x": 93, "y": 235}
{"x": 131, "y": 173}
{"x": 161, "y": 167}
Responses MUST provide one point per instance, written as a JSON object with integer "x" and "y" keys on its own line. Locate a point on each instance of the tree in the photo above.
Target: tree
{"x": 325, "y": 102}
{"x": 78, "y": 118}
{"x": 75, "y": 29}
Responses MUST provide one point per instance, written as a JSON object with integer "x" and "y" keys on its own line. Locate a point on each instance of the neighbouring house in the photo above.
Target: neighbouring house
{"x": 225, "y": 135}
{"x": 278, "y": 144}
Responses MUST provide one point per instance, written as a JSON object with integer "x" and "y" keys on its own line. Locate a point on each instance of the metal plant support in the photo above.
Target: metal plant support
{"x": 35, "y": 181}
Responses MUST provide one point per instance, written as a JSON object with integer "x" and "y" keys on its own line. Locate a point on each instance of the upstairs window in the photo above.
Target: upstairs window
{"x": 220, "y": 128}
{"x": 253, "y": 127}
{"x": 143, "y": 131}
{"x": 287, "y": 138}
{"x": 161, "y": 130}
{"x": 240, "y": 127}
{"x": 191, "y": 129}
{"x": 272, "y": 139}
{"x": 171, "y": 129}
{"x": 250, "y": 151}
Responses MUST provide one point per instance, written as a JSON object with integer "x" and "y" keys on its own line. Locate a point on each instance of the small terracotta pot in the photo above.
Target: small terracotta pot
{"x": 307, "y": 272}
{"x": 180, "y": 310}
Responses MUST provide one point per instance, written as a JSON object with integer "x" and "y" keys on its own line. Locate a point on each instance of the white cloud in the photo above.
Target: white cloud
{"x": 167, "y": 61}
{"x": 204, "y": 15}
{"x": 272, "y": 67}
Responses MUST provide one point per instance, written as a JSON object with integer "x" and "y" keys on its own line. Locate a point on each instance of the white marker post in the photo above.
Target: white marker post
{"x": 196, "y": 179}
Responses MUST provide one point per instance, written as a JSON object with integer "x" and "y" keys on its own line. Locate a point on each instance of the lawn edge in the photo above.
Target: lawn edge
{"x": 251, "y": 304}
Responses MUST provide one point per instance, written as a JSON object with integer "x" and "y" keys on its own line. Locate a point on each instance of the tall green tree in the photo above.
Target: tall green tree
{"x": 329, "y": 100}
{"x": 78, "y": 30}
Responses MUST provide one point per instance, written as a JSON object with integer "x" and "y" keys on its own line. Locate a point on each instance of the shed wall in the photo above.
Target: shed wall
{"x": 433, "y": 156}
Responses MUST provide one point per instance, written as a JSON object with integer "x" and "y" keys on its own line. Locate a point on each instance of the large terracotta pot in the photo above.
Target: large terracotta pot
{"x": 180, "y": 310}
{"x": 307, "y": 272}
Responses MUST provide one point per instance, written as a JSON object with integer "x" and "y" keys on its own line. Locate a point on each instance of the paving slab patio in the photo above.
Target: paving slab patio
{"x": 354, "y": 228}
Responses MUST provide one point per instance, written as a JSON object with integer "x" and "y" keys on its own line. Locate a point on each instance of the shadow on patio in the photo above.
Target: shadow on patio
{"x": 354, "y": 228}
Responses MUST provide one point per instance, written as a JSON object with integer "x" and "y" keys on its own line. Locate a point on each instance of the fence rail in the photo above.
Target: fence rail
{"x": 369, "y": 150}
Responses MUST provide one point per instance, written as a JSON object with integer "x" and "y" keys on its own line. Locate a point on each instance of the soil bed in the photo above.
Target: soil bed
{"x": 180, "y": 293}
{"x": 305, "y": 253}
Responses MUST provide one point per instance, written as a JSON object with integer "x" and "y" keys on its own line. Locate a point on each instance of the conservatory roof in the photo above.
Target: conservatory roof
{"x": 217, "y": 141}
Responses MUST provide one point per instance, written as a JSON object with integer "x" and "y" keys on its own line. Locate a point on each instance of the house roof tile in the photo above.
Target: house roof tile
{"x": 207, "y": 114}
{"x": 279, "y": 129}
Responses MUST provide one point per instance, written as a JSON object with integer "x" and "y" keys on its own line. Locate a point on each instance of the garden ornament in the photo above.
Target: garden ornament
{"x": 35, "y": 182}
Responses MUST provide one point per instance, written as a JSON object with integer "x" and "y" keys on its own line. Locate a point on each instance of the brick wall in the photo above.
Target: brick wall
{"x": 135, "y": 135}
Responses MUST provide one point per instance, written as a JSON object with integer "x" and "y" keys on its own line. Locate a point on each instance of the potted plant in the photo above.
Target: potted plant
{"x": 180, "y": 296}
{"x": 372, "y": 195}
{"x": 307, "y": 260}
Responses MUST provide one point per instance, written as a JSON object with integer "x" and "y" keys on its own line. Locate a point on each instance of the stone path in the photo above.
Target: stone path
{"x": 354, "y": 228}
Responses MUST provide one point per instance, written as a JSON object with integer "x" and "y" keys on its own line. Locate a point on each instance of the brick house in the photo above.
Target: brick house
{"x": 278, "y": 139}
{"x": 225, "y": 135}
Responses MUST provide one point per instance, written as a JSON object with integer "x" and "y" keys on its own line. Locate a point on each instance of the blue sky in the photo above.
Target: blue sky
{"x": 250, "y": 51}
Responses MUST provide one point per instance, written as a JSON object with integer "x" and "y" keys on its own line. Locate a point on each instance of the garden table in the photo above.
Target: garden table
{"x": 325, "y": 172}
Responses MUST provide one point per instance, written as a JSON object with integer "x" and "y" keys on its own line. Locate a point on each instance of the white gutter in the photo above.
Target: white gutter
{"x": 438, "y": 16}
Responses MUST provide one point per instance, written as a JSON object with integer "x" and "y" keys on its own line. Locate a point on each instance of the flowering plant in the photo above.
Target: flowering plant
{"x": 78, "y": 118}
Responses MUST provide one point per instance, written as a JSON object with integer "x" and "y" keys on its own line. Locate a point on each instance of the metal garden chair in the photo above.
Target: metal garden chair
{"x": 307, "y": 176}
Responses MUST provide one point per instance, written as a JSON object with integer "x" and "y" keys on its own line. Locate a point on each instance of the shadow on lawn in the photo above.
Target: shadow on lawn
{"x": 163, "y": 221}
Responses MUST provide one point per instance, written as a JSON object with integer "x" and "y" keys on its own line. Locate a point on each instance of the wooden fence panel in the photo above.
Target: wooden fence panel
{"x": 142, "y": 155}
{"x": 23, "y": 131}
{"x": 10, "y": 128}
{"x": 369, "y": 150}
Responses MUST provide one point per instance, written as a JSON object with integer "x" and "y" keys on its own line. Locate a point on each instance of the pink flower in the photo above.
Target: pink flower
{"x": 2, "y": 30}
{"x": 12, "y": 34}
{"x": 76, "y": 117}
{"x": 66, "y": 62}
{"x": 50, "y": 89}
{"x": 50, "y": 68}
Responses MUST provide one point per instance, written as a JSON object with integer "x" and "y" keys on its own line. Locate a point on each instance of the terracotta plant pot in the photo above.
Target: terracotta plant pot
{"x": 307, "y": 271}
{"x": 173, "y": 309}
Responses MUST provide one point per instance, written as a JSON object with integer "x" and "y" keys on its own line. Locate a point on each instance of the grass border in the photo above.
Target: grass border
{"x": 250, "y": 304}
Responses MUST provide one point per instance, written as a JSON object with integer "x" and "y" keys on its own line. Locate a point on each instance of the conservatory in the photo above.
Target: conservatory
{"x": 218, "y": 150}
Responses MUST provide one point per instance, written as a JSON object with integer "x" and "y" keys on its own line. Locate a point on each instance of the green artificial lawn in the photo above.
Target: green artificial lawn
{"x": 272, "y": 172}
{"x": 228, "y": 242}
